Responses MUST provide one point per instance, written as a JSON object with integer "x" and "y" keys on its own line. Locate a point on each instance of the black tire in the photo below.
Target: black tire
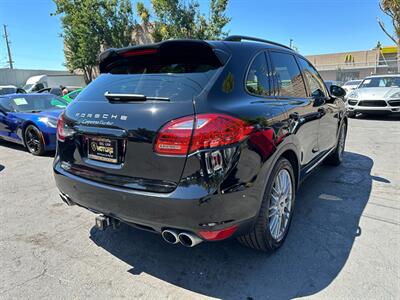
{"x": 351, "y": 114}
{"x": 33, "y": 139}
{"x": 260, "y": 237}
{"x": 336, "y": 158}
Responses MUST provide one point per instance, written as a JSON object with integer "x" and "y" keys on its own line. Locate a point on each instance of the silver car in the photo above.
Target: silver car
{"x": 375, "y": 94}
{"x": 351, "y": 85}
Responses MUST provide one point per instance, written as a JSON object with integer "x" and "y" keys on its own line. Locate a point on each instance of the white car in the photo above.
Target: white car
{"x": 351, "y": 85}
{"x": 7, "y": 89}
{"x": 11, "y": 89}
{"x": 375, "y": 94}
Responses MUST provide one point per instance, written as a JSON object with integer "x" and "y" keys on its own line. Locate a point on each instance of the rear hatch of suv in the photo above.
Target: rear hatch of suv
{"x": 108, "y": 133}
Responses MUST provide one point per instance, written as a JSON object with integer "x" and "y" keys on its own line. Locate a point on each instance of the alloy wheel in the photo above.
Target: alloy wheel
{"x": 32, "y": 140}
{"x": 342, "y": 140}
{"x": 280, "y": 205}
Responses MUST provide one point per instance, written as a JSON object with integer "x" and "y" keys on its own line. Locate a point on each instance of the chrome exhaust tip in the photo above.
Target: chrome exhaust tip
{"x": 170, "y": 236}
{"x": 188, "y": 239}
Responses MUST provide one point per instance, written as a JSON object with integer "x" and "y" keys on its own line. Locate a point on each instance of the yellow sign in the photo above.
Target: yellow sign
{"x": 349, "y": 58}
{"x": 389, "y": 50}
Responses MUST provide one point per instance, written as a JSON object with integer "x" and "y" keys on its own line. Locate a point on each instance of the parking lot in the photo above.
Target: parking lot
{"x": 343, "y": 243}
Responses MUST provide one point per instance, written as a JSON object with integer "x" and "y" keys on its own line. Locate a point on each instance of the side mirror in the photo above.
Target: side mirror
{"x": 337, "y": 91}
{"x": 317, "y": 94}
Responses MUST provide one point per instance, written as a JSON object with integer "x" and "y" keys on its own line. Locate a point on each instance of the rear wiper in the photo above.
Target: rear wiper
{"x": 133, "y": 97}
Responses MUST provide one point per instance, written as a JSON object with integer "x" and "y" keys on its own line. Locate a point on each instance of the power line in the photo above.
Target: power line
{"x": 10, "y": 61}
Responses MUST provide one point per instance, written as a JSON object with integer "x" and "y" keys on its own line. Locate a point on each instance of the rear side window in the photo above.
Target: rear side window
{"x": 257, "y": 80}
{"x": 178, "y": 81}
{"x": 287, "y": 73}
{"x": 314, "y": 81}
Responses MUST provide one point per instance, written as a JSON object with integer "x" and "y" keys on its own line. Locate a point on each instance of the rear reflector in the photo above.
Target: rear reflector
{"x": 218, "y": 234}
{"x": 209, "y": 131}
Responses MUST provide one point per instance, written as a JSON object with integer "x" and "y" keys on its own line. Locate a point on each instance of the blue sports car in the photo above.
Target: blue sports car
{"x": 31, "y": 120}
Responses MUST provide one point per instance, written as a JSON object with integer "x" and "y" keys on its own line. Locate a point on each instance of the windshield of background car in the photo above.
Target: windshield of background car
{"x": 27, "y": 87}
{"x": 177, "y": 81}
{"x": 381, "y": 82}
{"x": 33, "y": 103}
{"x": 73, "y": 94}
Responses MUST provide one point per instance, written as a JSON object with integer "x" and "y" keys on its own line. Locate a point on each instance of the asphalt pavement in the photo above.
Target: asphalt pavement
{"x": 343, "y": 243}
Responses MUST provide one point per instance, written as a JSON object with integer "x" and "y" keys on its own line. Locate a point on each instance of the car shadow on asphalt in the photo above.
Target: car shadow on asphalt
{"x": 379, "y": 117}
{"x": 325, "y": 225}
{"x": 22, "y": 148}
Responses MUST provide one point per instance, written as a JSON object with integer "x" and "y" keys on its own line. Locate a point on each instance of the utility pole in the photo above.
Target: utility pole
{"x": 8, "y": 47}
{"x": 290, "y": 43}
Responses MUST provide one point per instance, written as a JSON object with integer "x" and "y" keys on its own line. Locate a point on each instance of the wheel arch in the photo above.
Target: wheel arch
{"x": 290, "y": 152}
{"x": 291, "y": 156}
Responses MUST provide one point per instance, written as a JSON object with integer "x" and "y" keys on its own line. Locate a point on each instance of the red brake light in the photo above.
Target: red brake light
{"x": 217, "y": 234}
{"x": 138, "y": 52}
{"x": 60, "y": 128}
{"x": 211, "y": 130}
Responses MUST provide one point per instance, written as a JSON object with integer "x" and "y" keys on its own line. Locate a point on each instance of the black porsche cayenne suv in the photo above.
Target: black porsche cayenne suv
{"x": 199, "y": 140}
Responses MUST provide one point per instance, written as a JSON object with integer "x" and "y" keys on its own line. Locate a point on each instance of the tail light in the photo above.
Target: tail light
{"x": 209, "y": 131}
{"x": 63, "y": 130}
{"x": 60, "y": 128}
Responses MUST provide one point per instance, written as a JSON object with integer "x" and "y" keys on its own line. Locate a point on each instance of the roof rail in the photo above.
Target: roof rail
{"x": 239, "y": 38}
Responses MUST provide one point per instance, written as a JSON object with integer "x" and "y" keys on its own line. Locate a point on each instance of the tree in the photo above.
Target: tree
{"x": 182, "y": 19}
{"x": 90, "y": 26}
{"x": 392, "y": 9}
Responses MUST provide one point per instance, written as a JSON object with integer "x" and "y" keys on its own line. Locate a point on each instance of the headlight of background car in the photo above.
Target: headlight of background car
{"x": 395, "y": 95}
{"x": 353, "y": 95}
{"x": 49, "y": 122}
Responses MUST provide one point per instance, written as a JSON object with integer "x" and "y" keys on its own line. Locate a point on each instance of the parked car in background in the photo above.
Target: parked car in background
{"x": 60, "y": 91}
{"x": 31, "y": 120}
{"x": 329, "y": 83}
{"x": 72, "y": 95}
{"x": 54, "y": 90}
{"x": 199, "y": 140}
{"x": 10, "y": 89}
{"x": 40, "y": 82}
{"x": 376, "y": 94}
{"x": 351, "y": 85}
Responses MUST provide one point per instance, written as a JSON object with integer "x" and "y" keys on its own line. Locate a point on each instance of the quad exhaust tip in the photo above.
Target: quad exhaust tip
{"x": 170, "y": 236}
{"x": 188, "y": 239}
{"x": 185, "y": 238}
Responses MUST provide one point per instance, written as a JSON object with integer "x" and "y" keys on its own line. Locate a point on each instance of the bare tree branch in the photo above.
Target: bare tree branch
{"x": 382, "y": 25}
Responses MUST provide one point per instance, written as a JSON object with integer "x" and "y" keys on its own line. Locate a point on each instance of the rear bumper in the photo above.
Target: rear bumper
{"x": 186, "y": 208}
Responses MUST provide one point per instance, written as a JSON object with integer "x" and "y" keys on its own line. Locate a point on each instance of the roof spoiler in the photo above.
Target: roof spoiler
{"x": 172, "y": 50}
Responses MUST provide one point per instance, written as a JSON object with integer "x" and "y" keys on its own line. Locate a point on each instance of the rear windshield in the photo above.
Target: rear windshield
{"x": 179, "y": 82}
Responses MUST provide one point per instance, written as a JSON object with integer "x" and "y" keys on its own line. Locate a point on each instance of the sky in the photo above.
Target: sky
{"x": 316, "y": 26}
